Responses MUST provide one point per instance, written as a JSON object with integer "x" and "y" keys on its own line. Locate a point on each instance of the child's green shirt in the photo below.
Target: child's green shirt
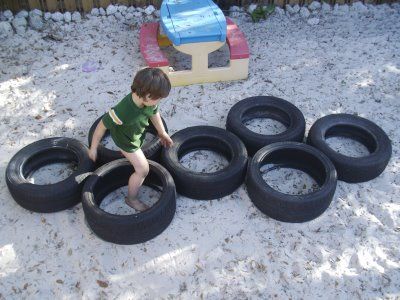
{"x": 127, "y": 123}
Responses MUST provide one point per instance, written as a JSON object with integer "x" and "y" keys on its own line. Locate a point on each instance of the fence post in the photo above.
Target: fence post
{"x": 280, "y": 3}
{"x": 69, "y": 5}
{"x": 123, "y": 2}
{"x": 104, "y": 3}
{"x": 140, "y": 3}
{"x": 11, "y": 5}
{"x": 52, "y": 5}
{"x": 87, "y": 5}
{"x": 34, "y": 4}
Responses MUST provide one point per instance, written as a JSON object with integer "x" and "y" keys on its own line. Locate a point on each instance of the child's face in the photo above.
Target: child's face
{"x": 151, "y": 102}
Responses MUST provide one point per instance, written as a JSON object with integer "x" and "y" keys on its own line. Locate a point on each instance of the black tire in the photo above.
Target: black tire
{"x": 152, "y": 149}
{"x": 285, "y": 207}
{"x": 353, "y": 169}
{"x": 50, "y": 197}
{"x": 265, "y": 107}
{"x": 206, "y": 186}
{"x": 128, "y": 229}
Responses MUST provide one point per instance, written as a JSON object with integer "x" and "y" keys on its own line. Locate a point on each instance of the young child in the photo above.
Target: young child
{"x": 127, "y": 122}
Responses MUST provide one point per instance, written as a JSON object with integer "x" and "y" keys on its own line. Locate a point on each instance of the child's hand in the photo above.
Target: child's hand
{"x": 165, "y": 139}
{"x": 92, "y": 154}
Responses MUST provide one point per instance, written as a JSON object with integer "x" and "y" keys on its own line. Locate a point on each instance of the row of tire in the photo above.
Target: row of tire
{"x": 286, "y": 149}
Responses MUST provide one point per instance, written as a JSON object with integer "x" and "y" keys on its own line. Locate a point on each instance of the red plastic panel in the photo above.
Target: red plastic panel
{"x": 149, "y": 46}
{"x": 236, "y": 41}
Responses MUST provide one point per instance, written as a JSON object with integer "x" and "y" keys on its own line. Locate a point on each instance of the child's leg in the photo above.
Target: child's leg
{"x": 141, "y": 166}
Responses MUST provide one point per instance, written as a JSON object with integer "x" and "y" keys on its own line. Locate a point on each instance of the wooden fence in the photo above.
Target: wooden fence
{"x": 87, "y": 5}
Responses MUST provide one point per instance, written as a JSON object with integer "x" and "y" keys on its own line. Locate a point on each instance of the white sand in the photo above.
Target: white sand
{"x": 226, "y": 248}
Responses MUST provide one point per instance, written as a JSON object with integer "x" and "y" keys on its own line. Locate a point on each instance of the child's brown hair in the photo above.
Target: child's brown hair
{"x": 151, "y": 81}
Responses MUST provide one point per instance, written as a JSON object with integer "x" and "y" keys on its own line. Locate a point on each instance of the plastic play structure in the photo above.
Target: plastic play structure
{"x": 196, "y": 28}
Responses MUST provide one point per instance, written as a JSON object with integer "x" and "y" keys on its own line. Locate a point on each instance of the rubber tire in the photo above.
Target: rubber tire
{"x": 265, "y": 107}
{"x": 51, "y": 197}
{"x": 206, "y": 186}
{"x": 353, "y": 169}
{"x": 127, "y": 229}
{"x": 285, "y": 207}
{"x": 151, "y": 150}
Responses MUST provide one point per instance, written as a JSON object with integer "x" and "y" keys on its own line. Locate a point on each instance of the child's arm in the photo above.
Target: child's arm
{"x": 162, "y": 134}
{"x": 97, "y": 135}
{"x": 157, "y": 122}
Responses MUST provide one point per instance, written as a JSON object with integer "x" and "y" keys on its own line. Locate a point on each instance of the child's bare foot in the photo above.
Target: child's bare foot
{"x": 136, "y": 204}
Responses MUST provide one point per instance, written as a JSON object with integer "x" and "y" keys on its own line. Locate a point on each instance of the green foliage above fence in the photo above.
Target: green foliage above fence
{"x": 87, "y": 5}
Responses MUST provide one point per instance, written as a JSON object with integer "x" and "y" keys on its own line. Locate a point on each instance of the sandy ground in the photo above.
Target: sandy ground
{"x": 225, "y": 248}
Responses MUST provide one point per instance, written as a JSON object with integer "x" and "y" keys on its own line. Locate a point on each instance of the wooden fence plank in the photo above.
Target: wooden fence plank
{"x": 70, "y": 5}
{"x": 34, "y": 4}
{"x": 140, "y": 3}
{"x": 22, "y": 4}
{"x": 52, "y": 5}
{"x": 123, "y": 2}
{"x": 4, "y": 6}
{"x": 156, "y": 3}
{"x": 11, "y": 5}
{"x": 104, "y": 3}
{"x": 245, "y": 2}
{"x": 87, "y": 5}
{"x": 280, "y": 3}
{"x": 294, "y": 2}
